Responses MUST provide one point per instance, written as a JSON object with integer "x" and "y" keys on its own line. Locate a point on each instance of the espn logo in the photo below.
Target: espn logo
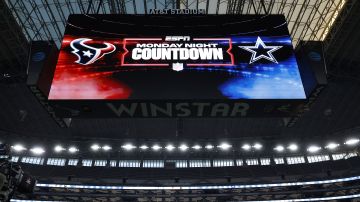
{"x": 177, "y": 38}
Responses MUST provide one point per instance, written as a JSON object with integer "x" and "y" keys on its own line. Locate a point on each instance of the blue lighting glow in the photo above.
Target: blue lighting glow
{"x": 263, "y": 79}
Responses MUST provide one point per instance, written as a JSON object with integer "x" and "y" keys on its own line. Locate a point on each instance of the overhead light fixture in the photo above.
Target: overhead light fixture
{"x": 59, "y": 148}
{"x": 313, "y": 149}
{"x": 293, "y": 147}
{"x": 37, "y": 150}
{"x": 156, "y": 147}
{"x": 183, "y": 147}
{"x": 128, "y": 147}
{"x": 73, "y": 149}
{"x": 352, "y": 141}
{"x": 209, "y": 147}
{"x": 332, "y": 146}
{"x": 196, "y": 147}
{"x": 106, "y": 147}
{"x": 279, "y": 148}
{"x": 224, "y": 146}
{"x": 144, "y": 147}
{"x": 246, "y": 147}
{"x": 95, "y": 147}
{"x": 18, "y": 148}
{"x": 257, "y": 146}
{"x": 170, "y": 147}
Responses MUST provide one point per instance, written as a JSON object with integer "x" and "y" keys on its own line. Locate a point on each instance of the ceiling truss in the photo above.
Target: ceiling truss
{"x": 46, "y": 20}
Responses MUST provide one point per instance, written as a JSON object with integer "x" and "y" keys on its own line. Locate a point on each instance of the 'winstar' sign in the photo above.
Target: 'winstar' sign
{"x": 181, "y": 109}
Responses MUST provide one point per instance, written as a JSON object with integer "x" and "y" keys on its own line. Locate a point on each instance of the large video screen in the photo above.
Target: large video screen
{"x": 143, "y": 57}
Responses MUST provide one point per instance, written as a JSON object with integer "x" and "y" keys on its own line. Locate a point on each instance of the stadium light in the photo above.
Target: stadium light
{"x": 246, "y": 147}
{"x": 18, "y": 148}
{"x": 257, "y": 146}
{"x": 144, "y": 147}
{"x": 128, "y": 147}
{"x": 209, "y": 147}
{"x": 196, "y": 147}
{"x": 332, "y": 146}
{"x": 95, "y": 147}
{"x": 352, "y": 141}
{"x": 106, "y": 147}
{"x": 183, "y": 147}
{"x": 293, "y": 147}
{"x": 313, "y": 149}
{"x": 73, "y": 149}
{"x": 156, "y": 147}
{"x": 224, "y": 146}
{"x": 37, "y": 150}
{"x": 170, "y": 147}
{"x": 59, "y": 148}
{"x": 279, "y": 148}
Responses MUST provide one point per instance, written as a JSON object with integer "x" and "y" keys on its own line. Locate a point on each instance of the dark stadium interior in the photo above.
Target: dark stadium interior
{"x": 333, "y": 116}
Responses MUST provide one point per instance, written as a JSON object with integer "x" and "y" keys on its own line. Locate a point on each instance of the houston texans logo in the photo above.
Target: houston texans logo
{"x": 87, "y": 54}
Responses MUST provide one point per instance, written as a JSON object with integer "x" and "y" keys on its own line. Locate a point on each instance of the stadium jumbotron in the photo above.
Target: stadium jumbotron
{"x": 179, "y": 100}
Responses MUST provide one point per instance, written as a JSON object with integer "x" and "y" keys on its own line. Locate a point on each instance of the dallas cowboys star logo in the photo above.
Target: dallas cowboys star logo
{"x": 255, "y": 57}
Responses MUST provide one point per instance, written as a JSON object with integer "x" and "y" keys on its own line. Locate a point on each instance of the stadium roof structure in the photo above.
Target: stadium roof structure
{"x": 335, "y": 113}
{"x": 46, "y": 20}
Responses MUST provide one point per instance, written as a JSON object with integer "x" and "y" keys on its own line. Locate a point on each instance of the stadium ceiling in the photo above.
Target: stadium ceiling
{"x": 46, "y": 19}
{"x": 25, "y": 21}
{"x": 334, "y": 112}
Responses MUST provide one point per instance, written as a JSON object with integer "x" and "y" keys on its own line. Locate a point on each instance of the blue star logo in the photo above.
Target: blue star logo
{"x": 258, "y": 46}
